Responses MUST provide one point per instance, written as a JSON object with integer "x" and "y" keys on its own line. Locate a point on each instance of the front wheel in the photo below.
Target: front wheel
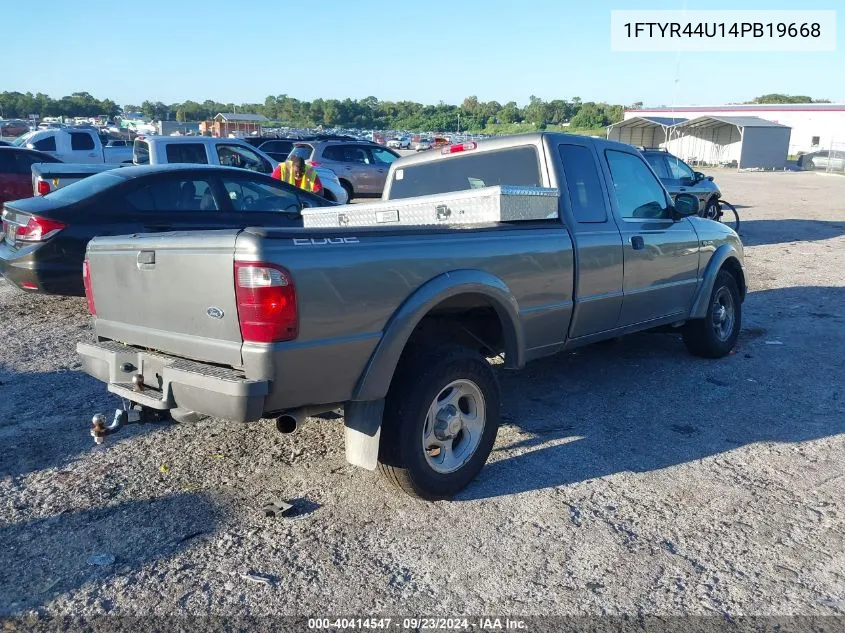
{"x": 715, "y": 335}
{"x": 440, "y": 421}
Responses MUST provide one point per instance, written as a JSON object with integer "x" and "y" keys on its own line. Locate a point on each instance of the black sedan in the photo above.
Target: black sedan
{"x": 43, "y": 239}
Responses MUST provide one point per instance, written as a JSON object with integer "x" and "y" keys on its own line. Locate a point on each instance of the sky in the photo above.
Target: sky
{"x": 418, "y": 50}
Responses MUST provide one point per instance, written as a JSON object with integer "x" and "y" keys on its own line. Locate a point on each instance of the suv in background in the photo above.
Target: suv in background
{"x": 360, "y": 166}
{"x": 678, "y": 177}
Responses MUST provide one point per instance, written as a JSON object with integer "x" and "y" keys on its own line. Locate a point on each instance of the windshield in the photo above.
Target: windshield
{"x": 468, "y": 170}
{"x": 23, "y": 140}
{"x": 86, "y": 187}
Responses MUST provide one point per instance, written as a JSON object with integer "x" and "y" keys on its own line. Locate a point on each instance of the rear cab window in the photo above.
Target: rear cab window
{"x": 186, "y": 153}
{"x": 468, "y": 170}
{"x": 46, "y": 144}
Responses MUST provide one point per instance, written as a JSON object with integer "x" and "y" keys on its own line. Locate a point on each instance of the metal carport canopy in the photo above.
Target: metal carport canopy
{"x": 713, "y": 140}
{"x": 740, "y": 122}
{"x": 641, "y": 130}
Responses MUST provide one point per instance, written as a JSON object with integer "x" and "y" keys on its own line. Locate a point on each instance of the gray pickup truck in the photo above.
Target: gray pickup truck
{"x": 397, "y": 323}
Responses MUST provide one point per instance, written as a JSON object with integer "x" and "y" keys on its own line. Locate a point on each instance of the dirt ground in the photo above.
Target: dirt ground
{"x": 628, "y": 478}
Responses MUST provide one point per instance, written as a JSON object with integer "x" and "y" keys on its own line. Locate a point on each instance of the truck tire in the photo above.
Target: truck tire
{"x": 715, "y": 335}
{"x": 440, "y": 421}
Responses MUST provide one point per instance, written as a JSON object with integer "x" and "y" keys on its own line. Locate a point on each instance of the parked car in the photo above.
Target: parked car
{"x": 360, "y": 166}
{"x": 394, "y": 143}
{"x": 421, "y": 145}
{"x": 44, "y": 238}
{"x": 832, "y": 160}
{"x": 16, "y": 171}
{"x": 395, "y": 323}
{"x": 74, "y": 145}
{"x": 678, "y": 177}
{"x": 232, "y": 152}
{"x": 13, "y": 127}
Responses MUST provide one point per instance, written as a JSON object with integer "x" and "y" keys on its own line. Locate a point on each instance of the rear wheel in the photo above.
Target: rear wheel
{"x": 715, "y": 335}
{"x": 440, "y": 421}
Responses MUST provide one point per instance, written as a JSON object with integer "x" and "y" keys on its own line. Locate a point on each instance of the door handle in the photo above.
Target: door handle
{"x": 637, "y": 242}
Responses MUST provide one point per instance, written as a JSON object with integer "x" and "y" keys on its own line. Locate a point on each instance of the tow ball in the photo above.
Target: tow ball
{"x": 129, "y": 414}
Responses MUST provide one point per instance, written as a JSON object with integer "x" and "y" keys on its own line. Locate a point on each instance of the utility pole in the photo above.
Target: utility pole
{"x": 459, "y": 121}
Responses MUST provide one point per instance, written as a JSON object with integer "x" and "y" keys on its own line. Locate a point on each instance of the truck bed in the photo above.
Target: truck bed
{"x": 350, "y": 284}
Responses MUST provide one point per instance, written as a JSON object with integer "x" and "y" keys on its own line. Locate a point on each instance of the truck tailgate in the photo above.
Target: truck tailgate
{"x": 170, "y": 292}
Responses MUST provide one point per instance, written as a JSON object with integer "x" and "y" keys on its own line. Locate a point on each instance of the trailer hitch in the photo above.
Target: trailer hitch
{"x": 129, "y": 414}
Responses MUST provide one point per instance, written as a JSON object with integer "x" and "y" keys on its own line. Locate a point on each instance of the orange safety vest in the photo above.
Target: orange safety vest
{"x": 309, "y": 181}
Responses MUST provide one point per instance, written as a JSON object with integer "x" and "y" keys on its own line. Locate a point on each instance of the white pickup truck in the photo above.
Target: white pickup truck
{"x": 162, "y": 150}
{"x": 75, "y": 145}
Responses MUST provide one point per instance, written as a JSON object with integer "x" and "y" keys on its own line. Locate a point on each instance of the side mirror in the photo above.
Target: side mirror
{"x": 685, "y": 205}
{"x": 699, "y": 176}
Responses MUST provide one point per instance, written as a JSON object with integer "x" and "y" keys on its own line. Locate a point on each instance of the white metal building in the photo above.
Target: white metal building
{"x": 744, "y": 142}
{"x": 815, "y": 126}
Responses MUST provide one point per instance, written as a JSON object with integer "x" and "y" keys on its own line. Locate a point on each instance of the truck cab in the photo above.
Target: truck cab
{"x": 74, "y": 145}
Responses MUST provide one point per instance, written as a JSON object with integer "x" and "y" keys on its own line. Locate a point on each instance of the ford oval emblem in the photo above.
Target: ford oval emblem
{"x": 214, "y": 313}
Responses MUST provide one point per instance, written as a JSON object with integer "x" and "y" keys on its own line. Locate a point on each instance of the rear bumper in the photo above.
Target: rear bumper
{"x": 171, "y": 382}
{"x": 55, "y": 278}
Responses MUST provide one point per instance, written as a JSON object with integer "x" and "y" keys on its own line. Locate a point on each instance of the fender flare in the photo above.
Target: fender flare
{"x": 723, "y": 255}
{"x": 377, "y": 376}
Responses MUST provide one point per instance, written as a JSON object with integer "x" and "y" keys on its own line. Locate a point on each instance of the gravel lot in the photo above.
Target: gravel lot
{"x": 628, "y": 478}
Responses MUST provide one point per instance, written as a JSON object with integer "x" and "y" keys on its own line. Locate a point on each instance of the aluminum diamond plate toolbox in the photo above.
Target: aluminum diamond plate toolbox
{"x": 477, "y": 206}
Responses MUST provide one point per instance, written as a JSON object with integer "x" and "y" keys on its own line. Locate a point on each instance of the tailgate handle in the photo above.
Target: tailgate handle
{"x": 147, "y": 257}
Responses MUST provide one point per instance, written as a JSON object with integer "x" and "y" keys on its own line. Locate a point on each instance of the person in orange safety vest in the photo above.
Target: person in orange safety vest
{"x": 295, "y": 172}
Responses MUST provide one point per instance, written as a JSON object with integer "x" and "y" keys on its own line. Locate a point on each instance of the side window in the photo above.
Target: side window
{"x": 352, "y": 154}
{"x": 186, "y": 153}
{"x": 333, "y": 152}
{"x": 174, "y": 195}
{"x": 243, "y": 157}
{"x": 249, "y": 196}
{"x": 658, "y": 164}
{"x": 582, "y": 180}
{"x": 639, "y": 194}
{"x": 79, "y": 141}
{"x": 47, "y": 144}
{"x": 679, "y": 169}
{"x": 382, "y": 156}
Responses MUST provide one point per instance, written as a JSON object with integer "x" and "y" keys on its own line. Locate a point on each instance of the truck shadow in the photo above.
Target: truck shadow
{"x": 45, "y": 418}
{"x": 46, "y": 557}
{"x": 759, "y": 232}
{"x": 643, "y": 403}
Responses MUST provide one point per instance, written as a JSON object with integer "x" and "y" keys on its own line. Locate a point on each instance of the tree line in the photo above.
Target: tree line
{"x": 367, "y": 113}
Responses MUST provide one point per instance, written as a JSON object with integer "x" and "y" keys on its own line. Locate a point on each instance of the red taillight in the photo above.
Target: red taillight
{"x": 89, "y": 290}
{"x": 266, "y": 299}
{"x": 43, "y": 187}
{"x": 460, "y": 147}
{"x": 38, "y": 229}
